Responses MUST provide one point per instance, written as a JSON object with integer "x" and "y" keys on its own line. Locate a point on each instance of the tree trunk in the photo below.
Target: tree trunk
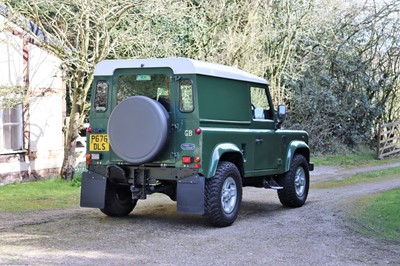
{"x": 81, "y": 82}
{"x": 72, "y": 133}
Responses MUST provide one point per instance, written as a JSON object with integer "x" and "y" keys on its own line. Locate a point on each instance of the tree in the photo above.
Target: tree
{"x": 320, "y": 56}
{"x": 81, "y": 33}
{"x": 257, "y": 36}
{"x": 11, "y": 96}
{"x": 351, "y": 81}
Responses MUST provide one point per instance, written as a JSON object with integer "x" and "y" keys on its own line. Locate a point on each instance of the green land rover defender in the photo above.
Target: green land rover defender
{"x": 195, "y": 131}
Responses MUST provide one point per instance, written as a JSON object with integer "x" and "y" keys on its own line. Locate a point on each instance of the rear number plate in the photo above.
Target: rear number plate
{"x": 99, "y": 142}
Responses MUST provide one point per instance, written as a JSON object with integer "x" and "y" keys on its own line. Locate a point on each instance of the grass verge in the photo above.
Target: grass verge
{"x": 378, "y": 215}
{"x": 362, "y": 157}
{"x": 39, "y": 195}
{"x": 360, "y": 178}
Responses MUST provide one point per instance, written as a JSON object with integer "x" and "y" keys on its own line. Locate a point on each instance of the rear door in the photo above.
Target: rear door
{"x": 157, "y": 84}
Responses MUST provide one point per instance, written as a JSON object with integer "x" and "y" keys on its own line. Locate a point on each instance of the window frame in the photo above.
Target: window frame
{"x": 268, "y": 111}
{"x": 19, "y": 136}
{"x": 122, "y": 75}
{"x": 107, "y": 96}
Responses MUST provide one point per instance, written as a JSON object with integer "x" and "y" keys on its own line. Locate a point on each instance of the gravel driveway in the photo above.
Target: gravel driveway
{"x": 265, "y": 233}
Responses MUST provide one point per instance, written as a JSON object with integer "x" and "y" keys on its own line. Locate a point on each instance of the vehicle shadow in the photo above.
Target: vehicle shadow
{"x": 161, "y": 212}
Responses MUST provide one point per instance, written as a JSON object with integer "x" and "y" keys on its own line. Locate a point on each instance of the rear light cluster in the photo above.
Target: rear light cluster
{"x": 187, "y": 159}
{"x": 190, "y": 159}
{"x": 92, "y": 156}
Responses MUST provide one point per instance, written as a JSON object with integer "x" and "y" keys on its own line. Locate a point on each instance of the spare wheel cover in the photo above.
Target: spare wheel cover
{"x": 138, "y": 129}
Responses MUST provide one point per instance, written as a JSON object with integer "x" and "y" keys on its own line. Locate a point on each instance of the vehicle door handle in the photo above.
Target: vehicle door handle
{"x": 258, "y": 141}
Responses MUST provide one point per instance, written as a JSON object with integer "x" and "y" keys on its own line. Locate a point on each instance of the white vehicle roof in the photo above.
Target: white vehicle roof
{"x": 179, "y": 66}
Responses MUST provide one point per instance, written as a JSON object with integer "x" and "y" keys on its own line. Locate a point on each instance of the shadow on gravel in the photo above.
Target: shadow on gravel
{"x": 252, "y": 209}
{"x": 165, "y": 216}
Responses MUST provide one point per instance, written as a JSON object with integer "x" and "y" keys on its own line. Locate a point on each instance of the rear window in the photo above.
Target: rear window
{"x": 155, "y": 86}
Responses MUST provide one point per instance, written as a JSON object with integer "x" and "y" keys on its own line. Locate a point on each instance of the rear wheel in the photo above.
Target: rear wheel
{"x": 118, "y": 201}
{"x": 295, "y": 183}
{"x": 223, "y": 195}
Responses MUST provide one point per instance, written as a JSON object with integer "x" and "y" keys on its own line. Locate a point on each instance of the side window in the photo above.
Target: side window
{"x": 101, "y": 96}
{"x": 259, "y": 103}
{"x": 11, "y": 129}
{"x": 186, "y": 96}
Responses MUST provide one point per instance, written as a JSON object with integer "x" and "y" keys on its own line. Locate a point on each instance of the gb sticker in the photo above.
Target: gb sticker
{"x": 188, "y": 133}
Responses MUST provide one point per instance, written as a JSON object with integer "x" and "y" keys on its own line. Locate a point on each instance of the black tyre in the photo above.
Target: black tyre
{"x": 223, "y": 195}
{"x": 138, "y": 129}
{"x": 118, "y": 201}
{"x": 295, "y": 183}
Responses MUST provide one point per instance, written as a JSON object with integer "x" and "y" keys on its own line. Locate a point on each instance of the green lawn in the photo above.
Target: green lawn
{"x": 379, "y": 215}
{"x": 363, "y": 157}
{"x": 39, "y": 195}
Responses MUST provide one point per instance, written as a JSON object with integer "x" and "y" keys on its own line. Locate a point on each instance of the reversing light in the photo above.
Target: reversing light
{"x": 186, "y": 159}
{"x": 197, "y": 131}
{"x": 95, "y": 156}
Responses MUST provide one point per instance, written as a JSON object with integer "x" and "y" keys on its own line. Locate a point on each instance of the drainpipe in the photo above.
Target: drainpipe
{"x": 25, "y": 110}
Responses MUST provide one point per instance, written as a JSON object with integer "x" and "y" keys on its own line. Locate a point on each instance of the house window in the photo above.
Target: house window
{"x": 11, "y": 129}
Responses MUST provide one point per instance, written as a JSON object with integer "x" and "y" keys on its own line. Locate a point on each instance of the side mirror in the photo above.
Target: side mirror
{"x": 281, "y": 113}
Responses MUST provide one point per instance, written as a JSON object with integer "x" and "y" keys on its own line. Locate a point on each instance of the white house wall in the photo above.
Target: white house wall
{"x": 45, "y": 112}
{"x": 11, "y": 60}
{"x": 44, "y": 69}
{"x": 45, "y": 123}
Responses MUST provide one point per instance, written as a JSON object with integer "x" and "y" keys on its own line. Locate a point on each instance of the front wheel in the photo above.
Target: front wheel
{"x": 295, "y": 183}
{"x": 223, "y": 195}
{"x": 118, "y": 201}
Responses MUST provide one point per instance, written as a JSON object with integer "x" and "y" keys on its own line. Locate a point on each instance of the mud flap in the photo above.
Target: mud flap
{"x": 190, "y": 195}
{"x": 93, "y": 190}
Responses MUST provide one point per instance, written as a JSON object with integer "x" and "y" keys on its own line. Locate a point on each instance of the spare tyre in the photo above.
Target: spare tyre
{"x": 138, "y": 129}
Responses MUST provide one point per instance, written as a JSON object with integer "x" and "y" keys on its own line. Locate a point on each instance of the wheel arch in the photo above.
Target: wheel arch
{"x": 296, "y": 147}
{"x": 225, "y": 152}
